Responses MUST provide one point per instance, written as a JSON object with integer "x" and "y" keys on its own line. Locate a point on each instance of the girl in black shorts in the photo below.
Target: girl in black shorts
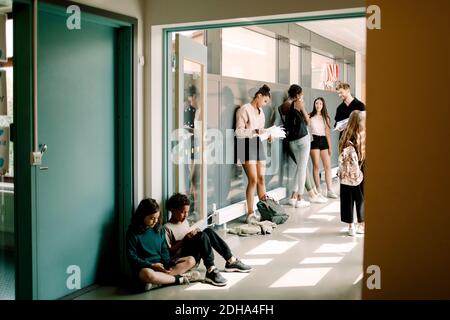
{"x": 321, "y": 144}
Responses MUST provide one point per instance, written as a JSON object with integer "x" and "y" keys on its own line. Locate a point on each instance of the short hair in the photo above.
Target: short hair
{"x": 178, "y": 201}
{"x": 342, "y": 85}
{"x": 192, "y": 90}
{"x": 294, "y": 90}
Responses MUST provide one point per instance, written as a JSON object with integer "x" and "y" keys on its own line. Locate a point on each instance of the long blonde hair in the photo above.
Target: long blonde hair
{"x": 356, "y": 134}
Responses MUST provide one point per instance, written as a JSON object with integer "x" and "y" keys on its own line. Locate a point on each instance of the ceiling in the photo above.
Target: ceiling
{"x": 350, "y": 33}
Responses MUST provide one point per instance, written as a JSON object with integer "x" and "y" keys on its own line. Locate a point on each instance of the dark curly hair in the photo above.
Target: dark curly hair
{"x": 178, "y": 201}
{"x": 145, "y": 208}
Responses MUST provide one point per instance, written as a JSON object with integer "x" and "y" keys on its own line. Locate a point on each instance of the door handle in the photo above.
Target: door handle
{"x": 43, "y": 168}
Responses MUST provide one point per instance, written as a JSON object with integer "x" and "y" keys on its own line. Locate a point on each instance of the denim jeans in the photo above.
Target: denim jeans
{"x": 300, "y": 148}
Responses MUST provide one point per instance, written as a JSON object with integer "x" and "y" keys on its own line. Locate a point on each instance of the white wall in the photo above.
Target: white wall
{"x": 360, "y": 76}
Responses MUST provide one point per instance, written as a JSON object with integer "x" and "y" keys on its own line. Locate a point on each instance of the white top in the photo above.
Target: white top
{"x": 248, "y": 118}
{"x": 176, "y": 232}
{"x": 318, "y": 126}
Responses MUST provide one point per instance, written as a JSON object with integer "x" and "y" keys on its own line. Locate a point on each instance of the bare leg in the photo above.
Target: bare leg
{"x": 250, "y": 171}
{"x": 260, "y": 179}
{"x": 148, "y": 275}
{"x": 327, "y": 167}
{"x": 183, "y": 264}
{"x": 315, "y": 156}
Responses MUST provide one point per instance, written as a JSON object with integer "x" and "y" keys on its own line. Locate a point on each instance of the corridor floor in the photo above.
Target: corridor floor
{"x": 308, "y": 257}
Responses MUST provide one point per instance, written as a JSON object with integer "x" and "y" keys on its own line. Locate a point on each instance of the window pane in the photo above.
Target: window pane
{"x": 319, "y": 64}
{"x": 187, "y": 168}
{"x": 295, "y": 64}
{"x": 249, "y": 55}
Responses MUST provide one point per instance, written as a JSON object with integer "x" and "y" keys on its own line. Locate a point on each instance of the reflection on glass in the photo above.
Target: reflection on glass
{"x": 320, "y": 72}
{"x": 188, "y": 173}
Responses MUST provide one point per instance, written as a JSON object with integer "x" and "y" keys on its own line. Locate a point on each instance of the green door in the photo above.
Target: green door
{"x": 76, "y": 214}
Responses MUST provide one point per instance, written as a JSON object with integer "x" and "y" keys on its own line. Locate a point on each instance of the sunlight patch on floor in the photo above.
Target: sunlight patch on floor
{"x": 305, "y": 277}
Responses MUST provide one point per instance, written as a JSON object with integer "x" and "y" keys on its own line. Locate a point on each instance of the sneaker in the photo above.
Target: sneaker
{"x": 191, "y": 276}
{"x": 293, "y": 202}
{"x": 351, "y": 232}
{"x": 252, "y": 218}
{"x": 150, "y": 286}
{"x": 317, "y": 199}
{"x": 215, "y": 278}
{"x": 360, "y": 229}
{"x": 323, "y": 198}
{"x": 303, "y": 204}
{"x": 332, "y": 195}
{"x": 237, "y": 266}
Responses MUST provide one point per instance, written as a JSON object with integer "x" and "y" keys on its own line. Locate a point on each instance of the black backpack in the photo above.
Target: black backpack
{"x": 272, "y": 211}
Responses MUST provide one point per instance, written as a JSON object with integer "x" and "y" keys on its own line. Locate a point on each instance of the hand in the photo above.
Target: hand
{"x": 330, "y": 152}
{"x": 191, "y": 234}
{"x": 270, "y": 139}
{"x": 159, "y": 267}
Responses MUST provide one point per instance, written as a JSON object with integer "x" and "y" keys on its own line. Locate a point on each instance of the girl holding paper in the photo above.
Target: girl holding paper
{"x": 297, "y": 121}
{"x": 250, "y": 121}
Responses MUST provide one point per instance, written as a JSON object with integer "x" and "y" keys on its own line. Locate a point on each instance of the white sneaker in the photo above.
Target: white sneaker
{"x": 251, "y": 218}
{"x": 332, "y": 195}
{"x": 191, "y": 276}
{"x": 293, "y": 202}
{"x": 150, "y": 286}
{"x": 303, "y": 204}
{"x": 317, "y": 199}
{"x": 360, "y": 229}
{"x": 324, "y": 199}
{"x": 351, "y": 232}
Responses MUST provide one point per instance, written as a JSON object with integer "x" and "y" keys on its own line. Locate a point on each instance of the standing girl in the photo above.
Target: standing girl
{"x": 321, "y": 144}
{"x": 250, "y": 121}
{"x": 297, "y": 121}
{"x": 351, "y": 158}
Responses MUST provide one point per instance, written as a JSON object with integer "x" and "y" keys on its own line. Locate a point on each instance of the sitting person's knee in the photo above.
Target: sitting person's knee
{"x": 147, "y": 275}
{"x": 190, "y": 261}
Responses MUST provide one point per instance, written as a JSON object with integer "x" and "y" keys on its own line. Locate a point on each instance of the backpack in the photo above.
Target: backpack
{"x": 349, "y": 169}
{"x": 272, "y": 211}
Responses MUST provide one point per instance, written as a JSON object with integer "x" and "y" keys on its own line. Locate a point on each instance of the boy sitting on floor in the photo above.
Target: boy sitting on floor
{"x": 183, "y": 241}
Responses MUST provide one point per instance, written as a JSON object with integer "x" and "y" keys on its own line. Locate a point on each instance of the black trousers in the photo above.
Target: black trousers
{"x": 352, "y": 196}
{"x": 202, "y": 244}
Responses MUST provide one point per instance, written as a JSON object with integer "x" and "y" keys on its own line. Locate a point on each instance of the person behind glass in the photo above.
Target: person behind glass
{"x": 191, "y": 116}
{"x": 321, "y": 144}
{"x": 313, "y": 194}
{"x": 297, "y": 121}
{"x": 250, "y": 121}
{"x": 349, "y": 104}
{"x": 352, "y": 142}
{"x": 148, "y": 254}
{"x": 182, "y": 240}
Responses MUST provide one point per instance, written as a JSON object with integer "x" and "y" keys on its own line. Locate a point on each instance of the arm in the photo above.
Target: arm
{"x": 133, "y": 258}
{"x": 165, "y": 253}
{"x": 241, "y": 120}
{"x": 172, "y": 244}
{"x": 328, "y": 135}
{"x": 301, "y": 104}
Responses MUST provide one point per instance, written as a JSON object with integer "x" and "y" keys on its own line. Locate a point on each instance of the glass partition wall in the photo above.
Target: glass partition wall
{"x": 7, "y": 243}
